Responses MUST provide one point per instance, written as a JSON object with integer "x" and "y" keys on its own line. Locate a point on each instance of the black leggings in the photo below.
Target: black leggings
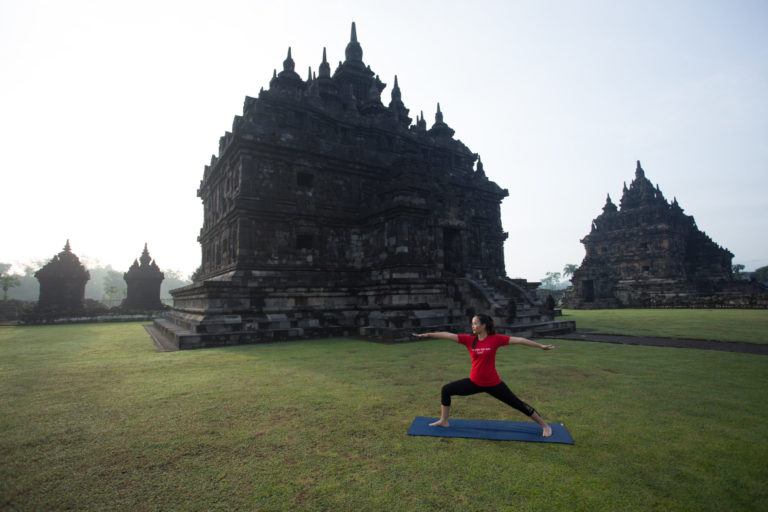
{"x": 465, "y": 387}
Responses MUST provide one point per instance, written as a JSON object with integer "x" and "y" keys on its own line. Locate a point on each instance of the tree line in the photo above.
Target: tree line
{"x": 559, "y": 280}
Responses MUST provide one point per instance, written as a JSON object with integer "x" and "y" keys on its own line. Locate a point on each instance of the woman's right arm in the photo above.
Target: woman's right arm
{"x": 439, "y": 335}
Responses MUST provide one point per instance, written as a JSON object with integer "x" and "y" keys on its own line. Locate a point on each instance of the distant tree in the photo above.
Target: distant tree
{"x": 172, "y": 279}
{"x": 29, "y": 287}
{"x": 9, "y": 281}
{"x": 551, "y": 281}
{"x": 94, "y": 288}
{"x": 569, "y": 269}
{"x": 761, "y": 274}
{"x": 112, "y": 294}
{"x": 737, "y": 269}
{"x": 4, "y": 267}
{"x": 114, "y": 286}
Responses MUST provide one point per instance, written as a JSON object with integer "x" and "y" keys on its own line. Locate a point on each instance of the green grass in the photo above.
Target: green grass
{"x": 750, "y": 325}
{"x": 92, "y": 418}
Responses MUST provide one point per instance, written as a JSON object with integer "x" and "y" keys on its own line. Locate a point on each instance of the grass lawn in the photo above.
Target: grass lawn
{"x": 92, "y": 418}
{"x": 749, "y": 325}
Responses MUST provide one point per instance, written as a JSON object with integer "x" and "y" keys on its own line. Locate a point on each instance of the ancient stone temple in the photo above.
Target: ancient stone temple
{"x": 648, "y": 253}
{"x": 327, "y": 212}
{"x": 143, "y": 279}
{"x": 62, "y": 283}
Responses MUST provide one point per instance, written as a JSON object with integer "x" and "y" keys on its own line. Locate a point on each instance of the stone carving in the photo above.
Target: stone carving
{"x": 143, "y": 279}
{"x": 646, "y": 253}
{"x": 62, "y": 283}
{"x": 328, "y": 213}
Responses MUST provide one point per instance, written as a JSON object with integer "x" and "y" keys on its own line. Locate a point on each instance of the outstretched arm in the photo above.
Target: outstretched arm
{"x": 439, "y": 335}
{"x": 529, "y": 343}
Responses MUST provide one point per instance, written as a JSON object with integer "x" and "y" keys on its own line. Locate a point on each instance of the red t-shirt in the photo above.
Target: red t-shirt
{"x": 483, "y": 356}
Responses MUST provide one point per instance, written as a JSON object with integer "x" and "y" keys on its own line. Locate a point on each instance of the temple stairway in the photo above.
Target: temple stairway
{"x": 513, "y": 307}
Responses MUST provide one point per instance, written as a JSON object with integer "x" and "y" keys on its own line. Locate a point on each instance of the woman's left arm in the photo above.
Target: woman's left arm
{"x": 529, "y": 343}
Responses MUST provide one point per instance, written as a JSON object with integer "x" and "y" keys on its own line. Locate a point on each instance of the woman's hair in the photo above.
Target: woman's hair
{"x": 487, "y": 321}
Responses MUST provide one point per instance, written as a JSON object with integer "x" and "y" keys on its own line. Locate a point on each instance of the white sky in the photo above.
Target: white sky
{"x": 109, "y": 111}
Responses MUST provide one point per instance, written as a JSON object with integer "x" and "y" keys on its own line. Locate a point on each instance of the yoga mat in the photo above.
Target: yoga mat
{"x": 491, "y": 429}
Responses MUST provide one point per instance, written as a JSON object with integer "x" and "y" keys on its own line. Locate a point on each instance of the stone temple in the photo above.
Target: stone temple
{"x": 327, "y": 212}
{"x": 648, "y": 253}
{"x": 143, "y": 281}
{"x": 62, "y": 284}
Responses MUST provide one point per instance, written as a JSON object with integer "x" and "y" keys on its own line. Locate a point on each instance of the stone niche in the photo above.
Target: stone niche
{"x": 648, "y": 253}
{"x": 143, "y": 280}
{"x": 62, "y": 284}
{"x": 329, "y": 213}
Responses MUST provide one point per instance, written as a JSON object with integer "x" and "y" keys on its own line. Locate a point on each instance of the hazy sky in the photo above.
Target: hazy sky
{"x": 109, "y": 111}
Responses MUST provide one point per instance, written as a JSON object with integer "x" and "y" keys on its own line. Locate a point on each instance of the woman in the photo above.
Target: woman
{"x": 483, "y": 377}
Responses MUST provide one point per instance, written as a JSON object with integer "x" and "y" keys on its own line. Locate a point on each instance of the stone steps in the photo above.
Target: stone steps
{"x": 162, "y": 335}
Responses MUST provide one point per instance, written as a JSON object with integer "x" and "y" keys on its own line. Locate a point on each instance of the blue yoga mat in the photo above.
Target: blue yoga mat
{"x": 491, "y": 429}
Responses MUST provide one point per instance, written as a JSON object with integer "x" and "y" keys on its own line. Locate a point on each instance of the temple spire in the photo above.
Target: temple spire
{"x": 396, "y": 91}
{"x": 397, "y": 106}
{"x": 288, "y": 64}
{"x": 609, "y": 206}
{"x": 639, "y": 173}
{"x": 354, "y": 52}
{"x": 440, "y": 129}
{"x": 325, "y": 68}
{"x": 421, "y": 124}
{"x": 145, "y": 257}
{"x": 287, "y": 78}
{"x": 480, "y": 171}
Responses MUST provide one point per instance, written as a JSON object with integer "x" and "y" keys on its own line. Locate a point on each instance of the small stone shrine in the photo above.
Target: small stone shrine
{"x": 329, "y": 213}
{"x": 62, "y": 283}
{"x": 648, "y": 253}
{"x": 143, "y": 279}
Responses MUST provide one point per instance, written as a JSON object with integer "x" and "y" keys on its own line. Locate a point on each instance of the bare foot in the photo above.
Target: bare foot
{"x": 546, "y": 431}
{"x": 444, "y": 423}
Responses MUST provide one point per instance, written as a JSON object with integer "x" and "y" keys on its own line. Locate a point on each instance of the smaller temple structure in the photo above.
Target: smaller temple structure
{"x": 143, "y": 280}
{"x": 62, "y": 283}
{"x": 648, "y": 253}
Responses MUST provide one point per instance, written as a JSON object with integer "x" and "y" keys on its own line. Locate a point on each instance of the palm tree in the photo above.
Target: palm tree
{"x": 569, "y": 269}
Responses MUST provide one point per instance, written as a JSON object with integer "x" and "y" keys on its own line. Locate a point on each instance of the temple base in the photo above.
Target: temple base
{"x": 245, "y": 308}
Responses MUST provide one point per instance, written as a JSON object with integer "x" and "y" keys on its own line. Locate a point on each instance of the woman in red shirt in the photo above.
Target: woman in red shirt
{"x": 483, "y": 377}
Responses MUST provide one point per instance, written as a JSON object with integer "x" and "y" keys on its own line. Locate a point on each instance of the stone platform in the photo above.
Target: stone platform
{"x": 215, "y": 314}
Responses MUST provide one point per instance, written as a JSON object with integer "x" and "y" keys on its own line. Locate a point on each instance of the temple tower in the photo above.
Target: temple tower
{"x": 143, "y": 279}
{"x": 62, "y": 283}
